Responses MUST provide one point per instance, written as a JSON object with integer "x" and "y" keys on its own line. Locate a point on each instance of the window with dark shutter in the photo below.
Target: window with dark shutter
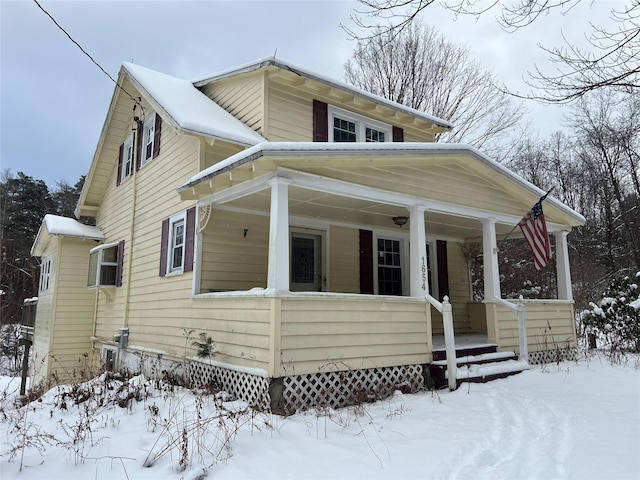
{"x": 119, "y": 266}
{"x": 320, "y": 121}
{"x": 156, "y": 136}
{"x": 119, "y": 174}
{"x": 443, "y": 268}
{"x": 164, "y": 247}
{"x": 366, "y": 262}
{"x": 138, "y": 147}
{"x": 190, "y": 240}
{"x": 398, "y": 134}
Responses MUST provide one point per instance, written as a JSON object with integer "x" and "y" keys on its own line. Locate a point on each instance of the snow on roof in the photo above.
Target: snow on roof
{"x": 66, "y": 227}
{"x": 70, "y": 227}
{"x": 298, "y": 149}
{"x": 189, "y": 109}
{"x": 272, "y": 61}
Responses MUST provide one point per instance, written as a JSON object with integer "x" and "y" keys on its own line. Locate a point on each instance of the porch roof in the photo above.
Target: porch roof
{"x": 453, "y": 174}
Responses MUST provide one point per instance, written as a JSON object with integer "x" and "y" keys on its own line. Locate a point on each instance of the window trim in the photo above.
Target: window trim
{"x": 404, "y": 260}
{"x": 100, "y": 264}
{"x": 148, "y": 139}
{"x": 179, "y": 217}
{"x": 128, "y": 146}
{"x": 45, "y": 276}
{"x": 361, "y": 122}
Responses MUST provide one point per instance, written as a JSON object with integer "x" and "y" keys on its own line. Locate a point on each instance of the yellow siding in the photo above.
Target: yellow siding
{"x": 550, "y": 325}
{"x": 231, "y": 260}
{"x": 238, "y": 326}
{"x": 217, "y": 152}
{"x": 242, "y": 97}
{"x": 74, "y": 310}
{"x": 155, "y": 199}
{"x": 319, "y": 334}
{"x": 344, "y": 260}
{"x": 290, "y": 115}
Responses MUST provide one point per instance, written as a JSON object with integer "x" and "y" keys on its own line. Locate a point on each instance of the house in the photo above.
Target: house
{"x": 307, "y": 227}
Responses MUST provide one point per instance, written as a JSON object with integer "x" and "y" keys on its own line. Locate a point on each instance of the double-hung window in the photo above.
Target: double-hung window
{"x": 148, "y": 138}
{"x": 105, "y": 265}
{"x": 389, "y": 266}
{"x": 45, "y": 275}
{"x": 177, "y": 245}
{"x": 127, "y": 158}
{"x": 345, "y": 126}
{"x": 176, "y": 249}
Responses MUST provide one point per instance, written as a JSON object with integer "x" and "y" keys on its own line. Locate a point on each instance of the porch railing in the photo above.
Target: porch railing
{"x": 520, "y": 310}
{"x": 445, "y": 309}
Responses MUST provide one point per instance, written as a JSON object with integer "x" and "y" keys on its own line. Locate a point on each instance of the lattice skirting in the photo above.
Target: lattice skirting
{"x": 291, "y": 393}
{"x": 338, "y": 389}
{"x": 552, "y": 356}
{"x": 253, "y": 389}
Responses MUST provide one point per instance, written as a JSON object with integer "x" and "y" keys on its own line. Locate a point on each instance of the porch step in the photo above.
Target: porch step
{"x": 468, "y": 350}
{"x": 478, "y": 363}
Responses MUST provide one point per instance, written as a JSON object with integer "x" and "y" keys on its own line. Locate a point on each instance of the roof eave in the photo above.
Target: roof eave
{"x": 272, "y": 149}
{"x": 268, "y": 62}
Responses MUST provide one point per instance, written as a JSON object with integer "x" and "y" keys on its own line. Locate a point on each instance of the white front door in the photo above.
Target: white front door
{"x": 306, "y": 261}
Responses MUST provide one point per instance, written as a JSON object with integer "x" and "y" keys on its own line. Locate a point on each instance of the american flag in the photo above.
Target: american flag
{"x": 534, "y": 229}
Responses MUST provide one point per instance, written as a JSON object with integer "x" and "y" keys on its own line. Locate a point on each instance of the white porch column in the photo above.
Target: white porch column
{"x": 490, "y": 260}
{"x": 562, "y": 266}
{"x": 278, "y": 269}
{"x": 419, "y": 279}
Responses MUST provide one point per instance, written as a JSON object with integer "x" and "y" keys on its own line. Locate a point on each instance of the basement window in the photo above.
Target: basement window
{"x": 105, "y": 265}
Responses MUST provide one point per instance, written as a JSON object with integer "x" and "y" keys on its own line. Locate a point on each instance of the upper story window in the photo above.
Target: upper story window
{"x": 127, "y": 158}
{"x": 105, "y": 265}
{"x": 345, "y": 126}
{"x": 45, "y": 275}
{"x": 148, "y": 139}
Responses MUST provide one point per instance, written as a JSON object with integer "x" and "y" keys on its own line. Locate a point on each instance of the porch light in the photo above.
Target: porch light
{"x": 400, "y": 221}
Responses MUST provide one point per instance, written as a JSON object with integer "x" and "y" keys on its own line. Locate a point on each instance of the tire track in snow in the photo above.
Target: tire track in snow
{"x": 526, "y": 438}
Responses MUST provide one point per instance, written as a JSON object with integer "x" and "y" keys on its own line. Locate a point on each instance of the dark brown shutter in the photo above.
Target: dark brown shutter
{"x": 443, "y": 268}
{"x": 189, "y": 243}
{"x": 366, "y": 261}
{"x": 119, "y": 173}
{"x": 398, "y": 134}
{"x": 156, "y": 136}
{"x": 120, "y": 263}
{"x": 164, "y": 246}
{"x": 139, "y": 135}
{"x": 320, "y": 121}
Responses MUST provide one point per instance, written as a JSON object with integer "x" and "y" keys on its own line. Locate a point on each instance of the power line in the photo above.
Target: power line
{"x": 88, "y": 55}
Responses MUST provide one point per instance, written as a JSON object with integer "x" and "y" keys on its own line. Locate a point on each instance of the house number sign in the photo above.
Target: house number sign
{"x": 424, "y": 274}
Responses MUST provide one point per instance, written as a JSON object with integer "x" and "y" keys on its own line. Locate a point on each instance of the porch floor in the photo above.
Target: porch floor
{"x": 467, "y": 340}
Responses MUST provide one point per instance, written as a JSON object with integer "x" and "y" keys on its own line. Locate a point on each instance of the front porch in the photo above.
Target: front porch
{"x": 350, "y": 261}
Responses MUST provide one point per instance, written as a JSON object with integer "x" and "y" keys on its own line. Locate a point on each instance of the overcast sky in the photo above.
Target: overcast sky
{"x": 54, "y": 99}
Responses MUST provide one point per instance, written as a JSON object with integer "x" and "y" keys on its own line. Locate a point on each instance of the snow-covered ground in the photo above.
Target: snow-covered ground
{"x": 572, "y": 420}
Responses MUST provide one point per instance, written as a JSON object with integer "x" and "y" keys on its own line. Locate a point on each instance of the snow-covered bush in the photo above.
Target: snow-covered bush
{"x": 616, "y": 318}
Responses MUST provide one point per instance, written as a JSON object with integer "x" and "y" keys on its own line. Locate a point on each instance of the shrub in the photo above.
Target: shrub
{"x": 616, "y": 318}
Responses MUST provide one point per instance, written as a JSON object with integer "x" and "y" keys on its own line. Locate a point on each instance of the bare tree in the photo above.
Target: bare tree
{"x": 423, "y": 70}
{"x": 611, "y": 61}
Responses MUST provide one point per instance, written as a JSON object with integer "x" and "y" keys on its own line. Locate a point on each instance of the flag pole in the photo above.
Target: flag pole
{"x": 542, "y": 198}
